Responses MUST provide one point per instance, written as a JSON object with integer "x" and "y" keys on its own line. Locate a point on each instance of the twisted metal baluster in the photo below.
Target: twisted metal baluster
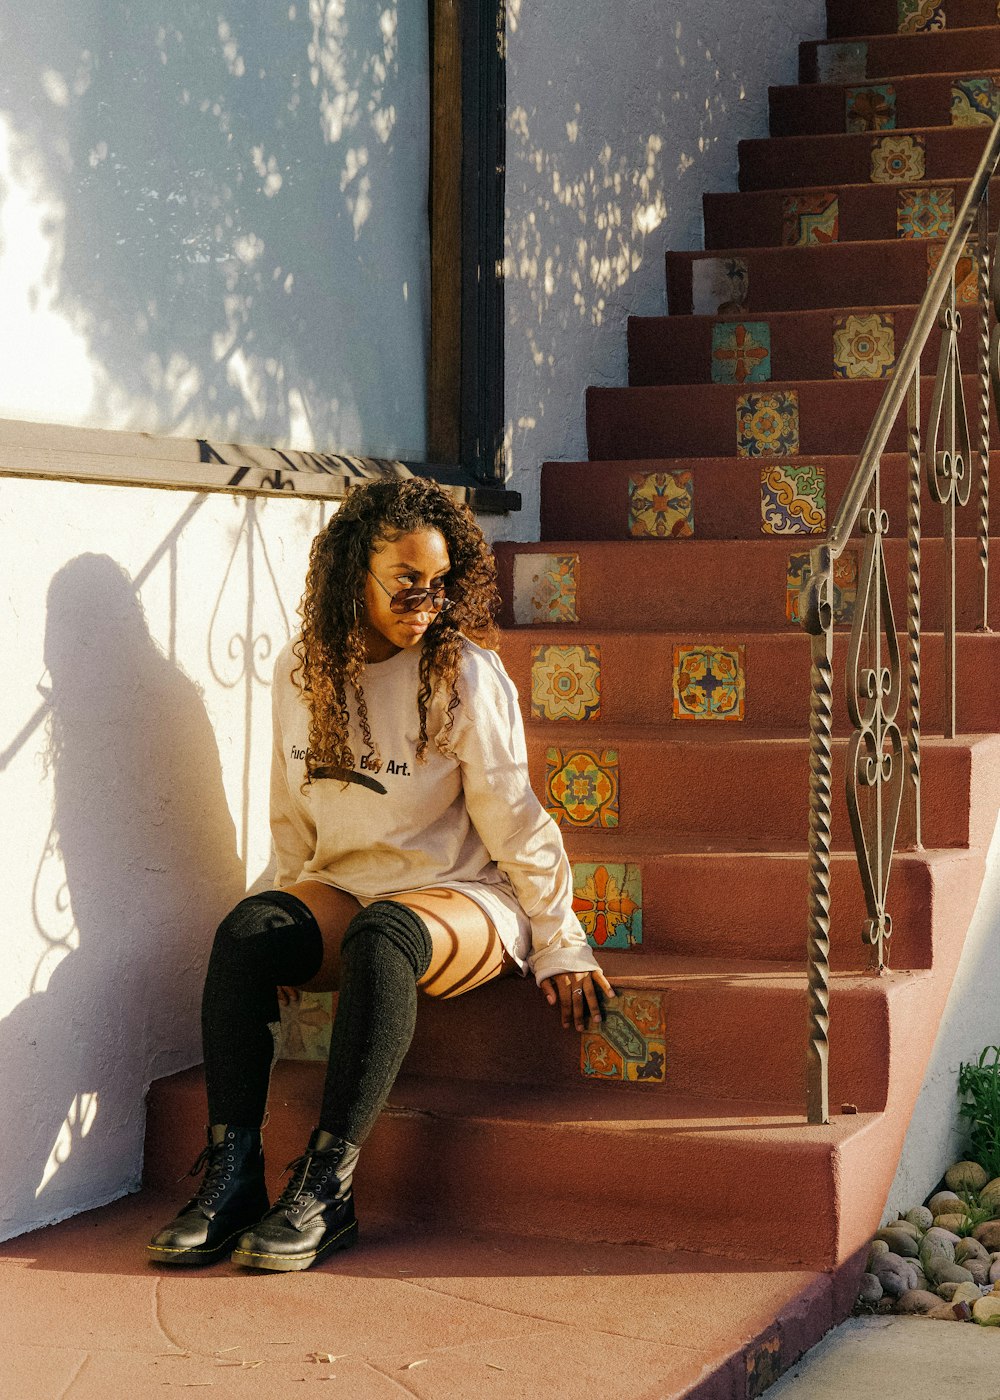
{"x": 817, "y": 614}
{"x": 913, "y": 604}
{"x": 983, "y": 368}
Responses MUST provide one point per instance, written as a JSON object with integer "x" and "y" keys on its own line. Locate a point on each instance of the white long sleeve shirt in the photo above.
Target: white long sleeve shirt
{"x": 445, "y": 822}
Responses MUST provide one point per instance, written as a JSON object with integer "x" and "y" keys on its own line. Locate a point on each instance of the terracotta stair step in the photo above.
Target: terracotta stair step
{"x": 801, "y": 345}
{"x": 803, "y": 278}
{"x": 590, "y": 500}
{"x": 853, "y": 58}
{"x": 865, "y": 212}
{"x": 585, "y": 1162}
{"x": 922, "y": 100}
{"x": 856, "y": 17}
{"x": 823, "y": 417}
{"x": 762, "y": 913}
{"x": 689, "y": 584}
{"x": 713, "y": 1012}
{"x": 703, "y": 784}
{"x": 636, "y": 678}
{"x": 782, "y": 162}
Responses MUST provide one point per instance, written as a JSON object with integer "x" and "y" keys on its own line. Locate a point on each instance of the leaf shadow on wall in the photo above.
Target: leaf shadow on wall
{"x": 145, "y": 850}
{"x": 234, "y": 213}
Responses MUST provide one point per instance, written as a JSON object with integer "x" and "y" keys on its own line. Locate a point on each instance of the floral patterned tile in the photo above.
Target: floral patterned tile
{"x": 719, "y": 285}
{"x": 919, "y": 16}
{"x": 581, "y": 786}
{"x": 566, "y": 682}
{"x": 925, "y": 212}
{"x": 845, "y": 586}
{"x": 545, "y": 587}
{"x": 895, "y": 160}
{"x": 974, "y": 102}
{"x": 870, "y": 108}
{"x": 607, "y": 899}
{"x": 305, "y": 1027}
{"x": 809, "y": 219}
{"x": 709, "y": 682}
{"x": 741, "y": 352}
{"x": 841, "y": 63}
{"x": 631, "y": 1043}
{"x": 864, "y": 347}
{"x": 661, "y": 505}
{"x": 793, "y": 499}
{"x": 767, "y": 425}
{"x": 966, "y": 272}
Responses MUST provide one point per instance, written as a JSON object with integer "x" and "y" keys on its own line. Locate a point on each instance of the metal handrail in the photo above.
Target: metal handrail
{"x": 880, "y": 765}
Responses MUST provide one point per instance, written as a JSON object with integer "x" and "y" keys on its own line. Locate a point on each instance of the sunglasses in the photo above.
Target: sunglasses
{"x": 413, "y": 599}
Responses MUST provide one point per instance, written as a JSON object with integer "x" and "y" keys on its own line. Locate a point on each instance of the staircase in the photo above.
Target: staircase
{"x": 652, "y": 633}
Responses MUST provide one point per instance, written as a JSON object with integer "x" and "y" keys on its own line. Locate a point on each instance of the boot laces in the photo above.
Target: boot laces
{"x": 309, "y": 1174}
{"x": 218, "y": 1162}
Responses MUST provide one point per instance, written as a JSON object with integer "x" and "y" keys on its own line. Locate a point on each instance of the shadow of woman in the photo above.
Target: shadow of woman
{"x": 148, "y": 847}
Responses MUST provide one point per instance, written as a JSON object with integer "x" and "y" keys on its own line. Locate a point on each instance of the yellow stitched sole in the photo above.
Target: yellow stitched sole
{"x": 284, "y": 1263}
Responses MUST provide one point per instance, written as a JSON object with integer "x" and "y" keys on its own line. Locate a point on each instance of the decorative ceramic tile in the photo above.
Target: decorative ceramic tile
{"x": 607, "y": 899}
{"x": 581, "y": 786}
{"x": 719, "y": 285}
{"x": 974, "y": 102}
{"x": 709, "y": 682}
{"x": 845, "y": 585}
{"x": 864, "y": 347}
{"x": 898, "y": 159}
{"x": 631, "y": 1042}
{"x": 545, "y": 587}
{"x": 810, "y": 219}
{"x": 919, "y": 16}
{"x": 767, "y": 425}
{"x": 741, "y": 352}
{"x": 841, "y": 63}
{"x": 793, "y": 499}
{"x": 966, "y": 273}
{"x": 870, "y": 108}
{"x": 566, "y": 682}
{"x": 661, "y": 505}
{"x": 925, "y": 213}
{"x": 305, "y": 1027}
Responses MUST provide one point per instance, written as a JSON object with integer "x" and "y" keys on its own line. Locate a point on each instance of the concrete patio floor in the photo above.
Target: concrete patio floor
{"x": 403, "y": 1314}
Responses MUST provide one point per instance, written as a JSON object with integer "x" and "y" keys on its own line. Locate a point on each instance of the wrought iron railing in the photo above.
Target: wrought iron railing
{"x": 883, "y": 756}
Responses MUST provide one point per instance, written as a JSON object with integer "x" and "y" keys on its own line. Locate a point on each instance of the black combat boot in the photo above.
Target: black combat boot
{"x": 313, "y": 1216}
{"x": 232, "y": 1196}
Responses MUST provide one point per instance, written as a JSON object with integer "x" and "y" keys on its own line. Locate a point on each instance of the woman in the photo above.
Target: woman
{"x": 411, "y": 852}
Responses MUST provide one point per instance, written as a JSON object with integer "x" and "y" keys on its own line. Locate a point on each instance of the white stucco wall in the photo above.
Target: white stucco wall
{"x": 937, "y": 1137}
{"x": 618, "y": 120}
{"x": 140, "y": 631}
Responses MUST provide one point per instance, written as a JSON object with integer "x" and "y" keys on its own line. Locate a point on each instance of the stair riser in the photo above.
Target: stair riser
{"x": 678, "y": 349}
{"x": 811, "y": 278}
{"x": 866, "y": 213}
{"x": 854, "y": 18}
{"x": 637, "y": 680}
{"x": 822, "y": 108}
{"x": 589, "y": 500}
{"x": 705, "y": 790}
{"x": 687, "y": 585}
{"x": 948, "y": 51}
{"x": 776, "y": 163}
{"x": 736, "y": 1040}
{"x": 700, "y": 420}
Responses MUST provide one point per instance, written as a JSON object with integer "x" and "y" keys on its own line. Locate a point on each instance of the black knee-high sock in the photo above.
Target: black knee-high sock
{"x": 385, "y": 950}
{"x": 268, "y": 940}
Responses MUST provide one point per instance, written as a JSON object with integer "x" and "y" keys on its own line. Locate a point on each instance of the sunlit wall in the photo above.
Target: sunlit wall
{"x": 213, "y": 220}
{"x": 618, "y": 119}
{"x": 140, "y": 628}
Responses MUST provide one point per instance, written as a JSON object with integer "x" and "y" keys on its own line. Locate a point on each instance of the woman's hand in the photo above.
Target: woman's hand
{"x": 577, "y": 995}
{"x": 289, "y": 996}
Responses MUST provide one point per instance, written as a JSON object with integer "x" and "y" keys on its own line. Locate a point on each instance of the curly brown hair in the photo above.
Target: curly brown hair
{"x": 331, "y": 649}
